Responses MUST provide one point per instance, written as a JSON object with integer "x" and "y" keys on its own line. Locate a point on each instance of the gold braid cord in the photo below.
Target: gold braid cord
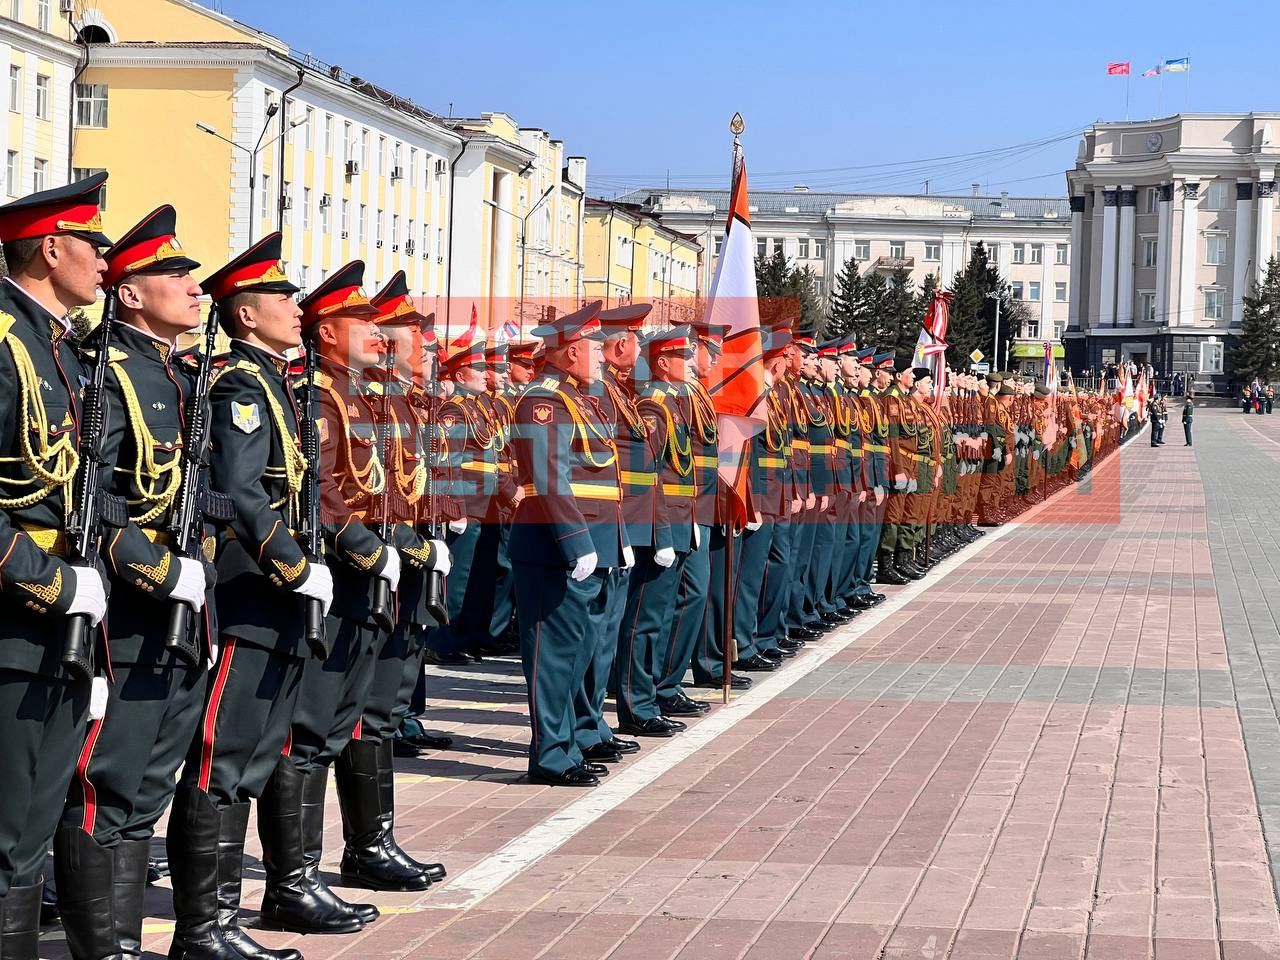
{"x": 672, "y": 451}
{"x": 54, "y": 466}
{"x": 372, "y": 480}
{"x": 704, "y": 413}
{"x": 158, "y": 485}
{"x": 581, "y": 427}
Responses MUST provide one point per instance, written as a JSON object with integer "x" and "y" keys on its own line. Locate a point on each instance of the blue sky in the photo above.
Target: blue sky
{"x": 844, "y": 96}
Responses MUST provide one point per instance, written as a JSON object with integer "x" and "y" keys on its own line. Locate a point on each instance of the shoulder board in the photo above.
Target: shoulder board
{"x": 247, "y": 365}
{"x": 549, "y": 383}
{"x": 373, "y": 387}
{"x": 322, "y": 380}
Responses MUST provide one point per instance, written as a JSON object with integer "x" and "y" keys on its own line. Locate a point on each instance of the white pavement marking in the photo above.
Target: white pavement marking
{"x": 1260, "y": 433}
{"x": 486, "y": 877}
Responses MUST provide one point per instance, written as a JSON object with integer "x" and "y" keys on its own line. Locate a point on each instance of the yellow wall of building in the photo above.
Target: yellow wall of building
{"x": 166, "y": 21}
{"x": 155, "y": 154}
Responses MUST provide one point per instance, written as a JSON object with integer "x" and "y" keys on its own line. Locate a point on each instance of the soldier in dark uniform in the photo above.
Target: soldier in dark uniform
{"x": 263, "y": 580}
{"x": 874, "y": 430}
{"x": 568, "y": 540}
{"x": 792, "y": 540}
{"x": 829, "y": 545}
{"x": 51, "y": 242}
{"x": 125, "y": 776}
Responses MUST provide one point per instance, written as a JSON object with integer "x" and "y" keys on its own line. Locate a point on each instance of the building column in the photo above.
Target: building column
{"x": 1266, "y": 206}
{"x": 1128, "y": 199}
{"x": 1107, "y": 271}
{"x": 1186, "y": 315}
{"x": 1077, "y": 255}
{"x": 1240, "y": 279}
{"x": 1164, "y": 251}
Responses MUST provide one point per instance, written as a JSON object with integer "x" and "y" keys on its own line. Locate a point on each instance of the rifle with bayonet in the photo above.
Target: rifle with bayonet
{"x": 309, "y": 528}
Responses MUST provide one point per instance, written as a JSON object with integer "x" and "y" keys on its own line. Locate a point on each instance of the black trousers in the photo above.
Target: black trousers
{"x": 249, "y": 706}
{"x": 395, "y": 660}
{"x": 125, "y": 777}
{"x": 41, "y": 732}
{"x": 333, "y": 695}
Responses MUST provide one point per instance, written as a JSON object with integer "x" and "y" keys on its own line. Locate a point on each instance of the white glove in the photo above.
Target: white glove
{"x": 697, "y": 537}
{"x": 458, "y": 526}
{"x": 755, "y": 525}
{"x": 900, "y": 481}
{"x": 91, "y": 594}
{"x": 999, "y": 454}
{"x": 912, "y": 485}
{"x": 190, "y": 586}
{"x": 391, "y": 572}
{"x": 665, "y": 557}
{"x": 98, "y": 690}
{"x": 584, "y": 567}
{"x": 441, "y": 558}
{"x": 1035, "y": 455}
{"x": 319, "y": 585}
{"x": 628, "y": 558}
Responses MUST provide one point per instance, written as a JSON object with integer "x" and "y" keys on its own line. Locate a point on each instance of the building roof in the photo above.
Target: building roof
{"x": 782, "y": 203}
{"x": 640, "y": 213}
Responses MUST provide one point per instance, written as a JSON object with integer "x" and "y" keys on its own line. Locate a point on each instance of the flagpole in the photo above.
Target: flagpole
{"x": 1160, "y": 106}
{"x": 736, "y": 126}
{"x": 1187, "y": 89}
{"x": 1127, "y": 77}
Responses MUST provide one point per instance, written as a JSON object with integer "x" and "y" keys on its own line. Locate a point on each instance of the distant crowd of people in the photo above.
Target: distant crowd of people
{"x": 1257, "y": 398}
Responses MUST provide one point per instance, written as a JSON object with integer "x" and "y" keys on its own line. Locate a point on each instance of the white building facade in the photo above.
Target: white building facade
{"x": 1172, "y": 222}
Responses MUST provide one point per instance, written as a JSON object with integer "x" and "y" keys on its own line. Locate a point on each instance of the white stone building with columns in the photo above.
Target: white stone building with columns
{"x": 1172, "y": 222}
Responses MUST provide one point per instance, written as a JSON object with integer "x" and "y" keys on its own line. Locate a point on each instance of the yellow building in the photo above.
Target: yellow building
{"x": 629, "y": 256}
{"x": 37, "y": 44}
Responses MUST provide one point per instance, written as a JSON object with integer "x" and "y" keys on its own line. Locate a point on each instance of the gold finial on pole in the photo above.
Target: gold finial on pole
{"x": 737, "y": 125}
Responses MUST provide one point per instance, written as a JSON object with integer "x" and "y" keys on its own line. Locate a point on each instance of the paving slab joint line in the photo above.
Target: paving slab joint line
{"x": 485, "y": 878}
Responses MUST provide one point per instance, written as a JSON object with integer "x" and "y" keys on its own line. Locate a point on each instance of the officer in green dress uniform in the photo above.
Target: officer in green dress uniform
{"x": 51, "y": 245}
{"x": 843, "y": 577}
{"x": 797, "y": 538}
{"x": 568, "y": 539}
{"x": 895, "y": 539}
{"x": 264, "y": 577}
{"x": 874, "y": 430}
{"x": 817, "y": 432}
{"x": 125, "y": 776}
{"x": 829, "y": 542}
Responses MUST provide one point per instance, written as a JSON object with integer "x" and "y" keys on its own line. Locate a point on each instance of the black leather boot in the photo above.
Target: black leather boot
{"x": 234, "y": 825}
{"x": 290, "y": 902}
{"x": 192, "y": 840}
{"x": 129, "y": 888}
{"x": 887, "y": 573}
{"x": 387, "y": 805}
{"x": 20, "y": 923}
{"x": 902, "y": 563}
{"x": 313, "y": 791}
{"x": 366, "y": 861}
{"x": 84, "y": 870}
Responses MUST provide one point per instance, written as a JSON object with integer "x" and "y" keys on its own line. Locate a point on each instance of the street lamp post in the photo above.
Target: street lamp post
{"x": 524, "y": 229}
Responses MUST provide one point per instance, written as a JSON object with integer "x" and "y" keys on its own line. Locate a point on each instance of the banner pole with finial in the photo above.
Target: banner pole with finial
{"x": 736, "y": 126}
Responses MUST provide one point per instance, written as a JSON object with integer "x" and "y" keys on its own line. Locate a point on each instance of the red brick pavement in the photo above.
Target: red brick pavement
{"x": 1026, "y": 760}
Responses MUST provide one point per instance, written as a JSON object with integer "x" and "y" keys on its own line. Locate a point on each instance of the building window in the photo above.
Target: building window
{"x": 328, "y": 134}
{"x": 362, "y": 225}
{"x": 15, "y": 88}
{"x": 43, "y": 17}
{"x": 395, "y": 229}
{"x": 91, "y": 105}
{"x": 309, "y": 135}
{"x": 1210, "y": 357}
{"x": 84, "y": 173}
{"x": 364, "y": 148}
{"x": 802, "y": 248}
{"x": 346, "y": 217}
{"x": 286, "y": 202}
{"x": 1215, "y": 249}
{"x": 1019, "y": 253}
{"x": 379, "y": 221}
{"x": 1058, "y": 327}
{"x": 861, "y": 250}
{"x": 719, "y": 245}
{"x": 1213, "y": 303}
{"x": 382, "y": 156}
{"x": 303, "y": 276}
{"x": 1215, "y": 197}
{"x": 1060, "y": 292}
{"x": 347, "y": 146}
{"x": 12, "y": 174}
{"x": 626, "y": 251}
{"x": 762, "y": 247}
{"x": 1147, "y": 307}
{"x": 780, "y": 245}
{"x": 324, "y": 216}
{"x": 42, "y": 96}
{"x": 1150, "y": 246}
{"x": 1016, "y": 289}
{"x": 1033, "y": 291}
{"x": 1031, "y": 330}
{"x": 1060, "y": 254}
{"x": 932, "y": 251}
{"x": 1037, "y": 253}
{"x": 897, "y": 249}
{"x": 40, "y": 176}
{"x": 265, "y": 199}
{"x": 306, "y": 208}
{"x": 413, "y": 167}
{"x": 993, "y": 254}
{"x": 820, "y": 249}
{"x": 1149, "y": 196}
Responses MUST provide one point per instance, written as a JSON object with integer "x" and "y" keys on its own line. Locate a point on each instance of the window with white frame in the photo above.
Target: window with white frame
{"x": 1060, "y": 291}
{"x": 328, "y": 134}
{"x": 324, "y": 215}
{"x": 862, "y": 250}
{"x": 91, "y": 105}
{"x": 413, "y": 166}
{"x": 303, "y": 276}
{"x": 286, "y": 202}
{"x": 932, "y": 251}
{"x": 309, "y": 122}
{"x": 802, "y": 248}
{"x": 1214, "y": 301}
{"x": 346, "y": 217}
{"x": 306, "y": 208}
{"x": 1215, "y": 249}
{"x": 820, "y": 249}
{"x": 15, "y": 88}
{"x": 1019, "y": 253}
{"x": 897, "y": 249}
{"x": 1060, "y": 254}
{"x": 347, "y": 147}
{"x": 993, "y": 253}
{"x": 43, "y": 15}
{"x": 1147, "y": 306}
{"x": 762, "y": 247}
{"x": 1016, "y": 289}
{"x": 12, "y": 174}
{"x": 364, "y": 148}
{"x": 1215, "y": 197}
{"x": 382, "y": 156}
{"x": 426, "y": 239}
{"x": 1031, "y": 330}
{"x": 42, "y": 96}
{"x": 780, "y": 245}
{"x": 1033, "y": 291}
{"x": 1058, "y": 327}
{"x": 1150, "y": 249}
{"x": 626, "y": 251}
{"x": 1211, "y": 357}
{"x": 719, "y": 245}
{"x": 379, "y": 221}
{"x": 395, "y": 229}
{"x": 410, "y": 232}
{"x": 362, "y": 224}
{"x": 40, "y": 175}
{"x": 1037, "y": 253}
{"x": 264, "y": 200}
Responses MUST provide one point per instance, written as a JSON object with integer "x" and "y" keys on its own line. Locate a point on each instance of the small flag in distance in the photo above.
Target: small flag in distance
{"x": 1181, "y": 65}
{"x": 1118, "y": 69}
{"x": 1154, "y": 71}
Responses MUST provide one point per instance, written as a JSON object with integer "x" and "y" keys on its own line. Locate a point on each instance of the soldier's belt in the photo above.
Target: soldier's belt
{"x": 771, "y": 461}
{"x": 823, "y": 448}
{"x": 707, "y": 461}
{"x": 51, "y": 540}
{"x": 480, "y": 466}
{"x": 638, "y": 478}
{"x": 877, "y": 448}
{"x": 921, "y": 457}
{"x": 585, "y": 490}
{"x": 679, "y": 489}
{"x": 844, "y": 445}
{"x": 504, "y": 467}
{"x": 800, "y": 444}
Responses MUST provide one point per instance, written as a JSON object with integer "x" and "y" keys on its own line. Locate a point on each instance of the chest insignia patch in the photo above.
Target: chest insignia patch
{"x": 244, "y": 416}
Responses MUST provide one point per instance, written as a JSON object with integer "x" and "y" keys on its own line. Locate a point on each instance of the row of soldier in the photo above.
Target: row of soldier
{"x": 366, "y": 513}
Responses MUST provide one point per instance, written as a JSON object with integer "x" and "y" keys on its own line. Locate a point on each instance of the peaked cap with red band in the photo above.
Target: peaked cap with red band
{"x": 678, "y": 339}
{"x": 257, "y": 270}
{"x": 337, "y": 296}
{"x": 711, "y": 334}
{"x": 150, "y": 247}
{"x": 777, "y": 343}
{"x": 617, "y": 321}
{"x": 468, "y": 355}
{"x": 583, "y": 324}
{"x": 522, "y": 351}
{"x": 396, "y": 308}
{"x": 69, "y": 209}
